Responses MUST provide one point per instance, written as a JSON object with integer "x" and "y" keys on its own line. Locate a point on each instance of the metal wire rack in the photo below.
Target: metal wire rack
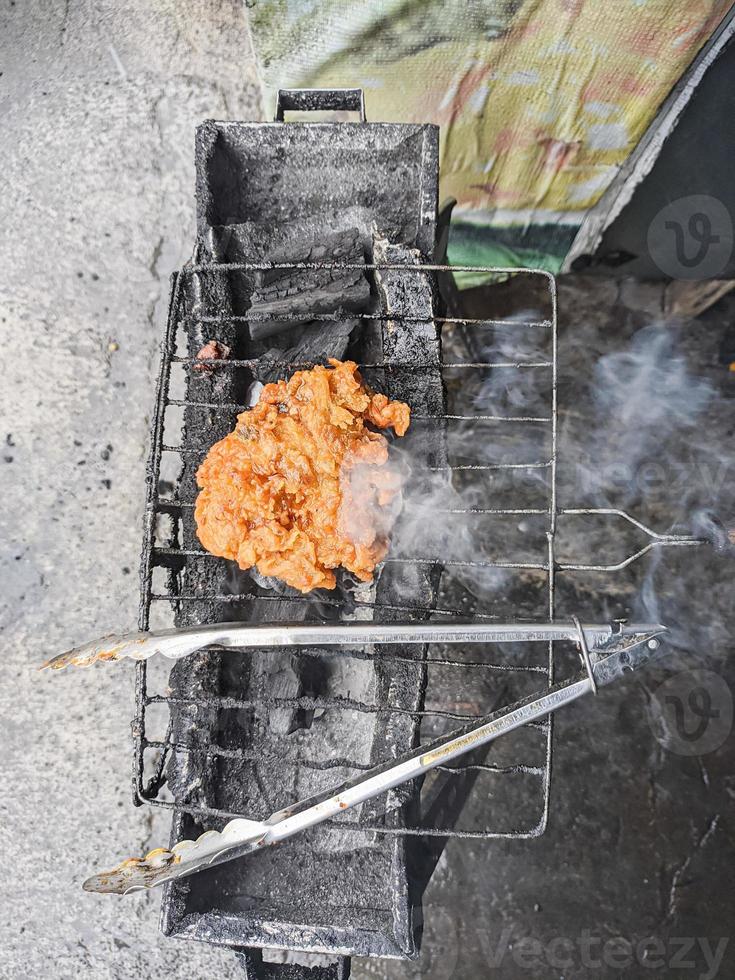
{"x": 457, "y": 685}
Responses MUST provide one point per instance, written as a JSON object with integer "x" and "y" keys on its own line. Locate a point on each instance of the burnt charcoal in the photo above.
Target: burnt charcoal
{"x": 318, "y": 341}
{"x": 250, "y": 242}
{"x": 187, "y": 772}
{"x": 302, "y": 246}
{"x": 297, "y": 293}
{"x": 413, "y": 341}
{"x": 324, "y": 291}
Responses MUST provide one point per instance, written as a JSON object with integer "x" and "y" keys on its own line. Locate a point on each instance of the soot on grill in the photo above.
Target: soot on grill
{"x": 260, "y": 731}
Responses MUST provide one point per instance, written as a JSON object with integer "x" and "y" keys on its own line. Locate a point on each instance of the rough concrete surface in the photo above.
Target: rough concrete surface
{"x": 98, "y": 102}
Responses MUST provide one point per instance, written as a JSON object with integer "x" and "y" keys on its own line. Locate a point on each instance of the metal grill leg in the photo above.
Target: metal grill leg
{"x": 256, "y": 969}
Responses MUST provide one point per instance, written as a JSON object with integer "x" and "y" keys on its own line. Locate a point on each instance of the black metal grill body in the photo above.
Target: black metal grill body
{"x": 262, "y": 191}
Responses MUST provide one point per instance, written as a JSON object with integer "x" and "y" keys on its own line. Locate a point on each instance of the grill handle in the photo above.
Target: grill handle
{"x": 320, "y": 100}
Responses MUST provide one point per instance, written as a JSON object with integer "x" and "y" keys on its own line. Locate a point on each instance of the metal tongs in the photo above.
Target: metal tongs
{"x": 606, "y": 653}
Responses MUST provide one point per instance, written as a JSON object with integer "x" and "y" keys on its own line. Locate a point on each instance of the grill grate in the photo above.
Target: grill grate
{"x": 514, "y": 354}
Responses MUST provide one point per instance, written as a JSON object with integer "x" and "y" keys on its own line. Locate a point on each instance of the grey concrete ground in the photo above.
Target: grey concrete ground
{"x": 98, "y": 102}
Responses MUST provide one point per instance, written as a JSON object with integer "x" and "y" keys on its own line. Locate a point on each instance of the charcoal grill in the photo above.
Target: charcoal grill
{"x": 215, "y": 738}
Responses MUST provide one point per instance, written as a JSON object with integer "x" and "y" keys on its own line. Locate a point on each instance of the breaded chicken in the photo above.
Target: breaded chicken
{"x": 278, "y": 492}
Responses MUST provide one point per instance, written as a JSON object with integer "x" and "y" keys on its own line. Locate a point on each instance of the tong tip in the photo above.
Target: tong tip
{"x": 186, "y": 856}
{"x": 133, "y": 874}
{"x": 108, "y": 648}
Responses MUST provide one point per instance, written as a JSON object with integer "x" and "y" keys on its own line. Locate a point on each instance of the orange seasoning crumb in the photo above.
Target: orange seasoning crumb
{"x": 276, "y": 492}
{"x": 213, "y": 350}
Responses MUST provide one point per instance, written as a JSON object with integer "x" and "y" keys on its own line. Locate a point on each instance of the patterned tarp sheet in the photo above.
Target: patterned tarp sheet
{"x": 540, "y": 102}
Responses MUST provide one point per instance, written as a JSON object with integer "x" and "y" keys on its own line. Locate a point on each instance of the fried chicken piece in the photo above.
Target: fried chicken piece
{"x": 301, "y": 485}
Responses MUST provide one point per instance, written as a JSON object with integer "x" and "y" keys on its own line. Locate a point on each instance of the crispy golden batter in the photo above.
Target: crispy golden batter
{"x": 277, "y": 492}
